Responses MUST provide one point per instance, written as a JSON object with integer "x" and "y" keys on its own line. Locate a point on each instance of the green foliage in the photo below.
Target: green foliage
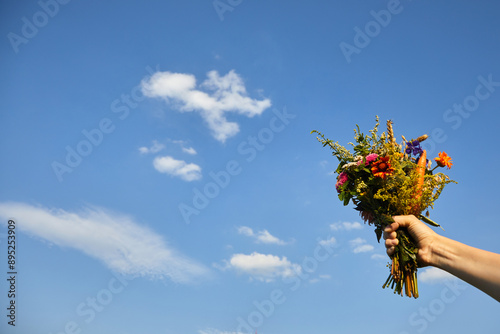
{"x": 338, "y": 151}
{"x": 393, "y": 195}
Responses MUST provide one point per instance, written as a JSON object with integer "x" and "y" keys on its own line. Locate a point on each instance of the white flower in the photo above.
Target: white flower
{"x": 349, "y": 165}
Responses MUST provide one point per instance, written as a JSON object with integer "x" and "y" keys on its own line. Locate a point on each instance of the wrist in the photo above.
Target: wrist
{"x": 439, "y": 252}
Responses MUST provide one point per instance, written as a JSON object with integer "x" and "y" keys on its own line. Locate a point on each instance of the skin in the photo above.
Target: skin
{"x": 475, "y": 266}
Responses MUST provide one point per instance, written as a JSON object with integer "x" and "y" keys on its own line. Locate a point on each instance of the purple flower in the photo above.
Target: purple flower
{"x": 341, "y": 180}
{"x": 413, "y": 147}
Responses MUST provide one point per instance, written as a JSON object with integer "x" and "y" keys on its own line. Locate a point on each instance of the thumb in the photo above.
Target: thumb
{"x": 404, "y": 221}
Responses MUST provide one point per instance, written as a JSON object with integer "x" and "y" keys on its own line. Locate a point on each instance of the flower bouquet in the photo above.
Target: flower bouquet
{"x": 382, "y": 179}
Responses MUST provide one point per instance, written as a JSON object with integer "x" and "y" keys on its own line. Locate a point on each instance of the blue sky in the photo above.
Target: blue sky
{"x": 159, "y": 166}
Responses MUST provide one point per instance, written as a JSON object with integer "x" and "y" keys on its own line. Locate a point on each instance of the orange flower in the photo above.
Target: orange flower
{"x": 444, "y": 160}
{"x": 382, "y": 168}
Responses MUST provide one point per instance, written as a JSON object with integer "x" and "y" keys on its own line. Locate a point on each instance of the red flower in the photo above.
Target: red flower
{"x": 381, "y": 168}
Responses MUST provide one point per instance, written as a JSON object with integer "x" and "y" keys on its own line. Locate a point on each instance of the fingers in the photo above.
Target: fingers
{"x": 390, "y": 237}
{"x": 391, "y": 242}
{"x": 390, "y": 250}
{"x": 390, "y": 245}
{"x": 390, "y": 231}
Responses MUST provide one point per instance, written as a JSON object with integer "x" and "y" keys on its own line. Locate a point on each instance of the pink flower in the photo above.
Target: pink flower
{"x": 341, "y": 180}
{"x": 371, "y": 158}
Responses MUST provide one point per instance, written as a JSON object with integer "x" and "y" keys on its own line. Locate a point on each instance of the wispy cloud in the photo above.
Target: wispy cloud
{"x": 215, "y": 97}
{"x": 178, "y": 168}
{"x": 261, "y": 236}
{"x": 434, "y": 275}
{"x": 360, "y": 246}
{"x": 155, "y": 148}
{"x": 114, "y": 239}
{"x": 263, "y": 267}
{"x": 346, "y": 226}
{"x": 319, "y": 278}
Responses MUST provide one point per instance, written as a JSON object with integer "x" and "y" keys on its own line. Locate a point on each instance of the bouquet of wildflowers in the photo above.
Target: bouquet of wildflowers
{"x": 382, "y": 179}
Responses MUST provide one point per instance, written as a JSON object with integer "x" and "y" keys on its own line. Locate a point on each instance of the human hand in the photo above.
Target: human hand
{"x": 423, "y": 235}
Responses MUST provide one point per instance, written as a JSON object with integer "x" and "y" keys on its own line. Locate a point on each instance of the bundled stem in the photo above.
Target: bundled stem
{"x": 403, "y": 275}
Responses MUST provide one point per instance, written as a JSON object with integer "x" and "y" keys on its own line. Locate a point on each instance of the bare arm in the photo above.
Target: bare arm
{"x": 477, "y": 267}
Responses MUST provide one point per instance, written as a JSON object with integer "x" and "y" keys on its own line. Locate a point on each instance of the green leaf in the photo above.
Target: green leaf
{"x": 378, "y": 232}
{"x": 428, "y": 221}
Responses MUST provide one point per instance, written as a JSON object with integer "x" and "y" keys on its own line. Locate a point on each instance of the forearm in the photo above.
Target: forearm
{"x": 477, "y": 267}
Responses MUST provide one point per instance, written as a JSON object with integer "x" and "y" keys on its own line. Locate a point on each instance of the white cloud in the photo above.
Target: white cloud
{"x": 114, "y": 239}
{"x": 261, "y": 236}
{"x": 216, "y": 331}
{"x": 264, "y": 267}
{"x": 434, "y": 275}
{"x": 179, "y": 168}
{"x": 328, "y": 242}
{"x": 189, "y": 150}
{"x": 360, "y": 246}
{"x": 245, "y": 231}
{"x": 155, "y": 148}
{"x": 220, "y": 96}
{"x": 346, "y": 226}
{"x": 325, "y": 276}
{"x": 266, "y": 238}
